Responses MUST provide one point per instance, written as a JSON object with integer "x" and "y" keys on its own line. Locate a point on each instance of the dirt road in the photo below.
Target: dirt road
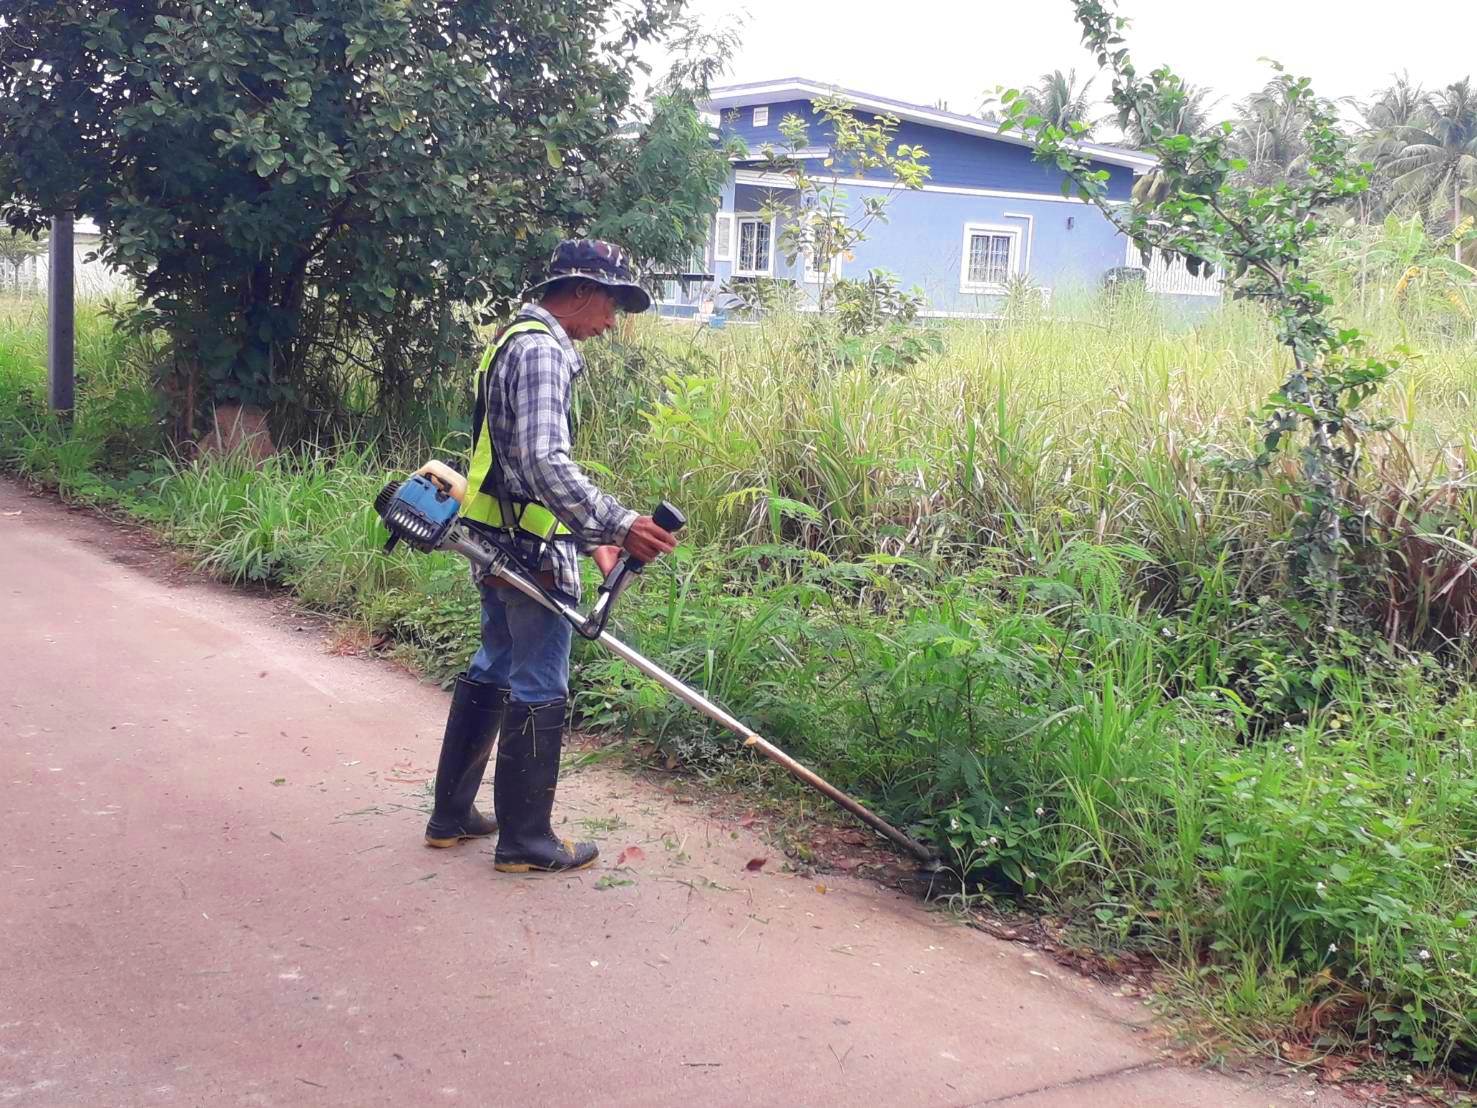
{"x": 214, "y": 892}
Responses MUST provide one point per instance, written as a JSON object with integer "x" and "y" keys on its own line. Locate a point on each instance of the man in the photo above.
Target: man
{"x": 523, "y": 483}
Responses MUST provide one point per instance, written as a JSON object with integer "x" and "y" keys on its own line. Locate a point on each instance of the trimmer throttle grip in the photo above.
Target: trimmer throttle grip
{"x": 669, "y": 517}
{"x": 666, "y": 516}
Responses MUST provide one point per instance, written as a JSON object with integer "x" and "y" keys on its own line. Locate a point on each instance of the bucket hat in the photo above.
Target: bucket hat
{"x": 605, "y": 263}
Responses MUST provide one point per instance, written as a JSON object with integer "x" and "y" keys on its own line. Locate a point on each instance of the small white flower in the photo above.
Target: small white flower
{"x": 953, "y": 825}
{"x": 1031, "y": 875}
{"x": 1333, "y": 948}
{"x": 1423, "y": 955}
{"x": 1320, "y": 886}
{"x": 1041, "y": 811}
{"x": 1007, "y": 807}
{"x": 994, "y": 841}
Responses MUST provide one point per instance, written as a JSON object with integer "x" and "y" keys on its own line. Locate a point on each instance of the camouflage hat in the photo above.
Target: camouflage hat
{"x": 602, "y": 262}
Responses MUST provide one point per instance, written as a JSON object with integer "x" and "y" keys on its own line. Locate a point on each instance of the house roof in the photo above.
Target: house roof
{"x": 803, "y": 88}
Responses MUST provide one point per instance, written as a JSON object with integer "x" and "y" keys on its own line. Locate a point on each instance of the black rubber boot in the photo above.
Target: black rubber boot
{"x": 523, "y": 790}
{"x": 471, "y": 729}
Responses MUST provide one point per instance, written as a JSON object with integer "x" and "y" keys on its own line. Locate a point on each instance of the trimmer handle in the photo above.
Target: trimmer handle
{"x": 668, "y": 517}
{"x": 624, "y": 572}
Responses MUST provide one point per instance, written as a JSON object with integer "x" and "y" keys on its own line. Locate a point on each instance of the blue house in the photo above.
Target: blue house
{"x": 988, "y": 214}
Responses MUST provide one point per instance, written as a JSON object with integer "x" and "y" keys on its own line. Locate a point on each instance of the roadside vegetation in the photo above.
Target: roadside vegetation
{"x": 1161, "y": 622}
{"x": 1001, "y": 584}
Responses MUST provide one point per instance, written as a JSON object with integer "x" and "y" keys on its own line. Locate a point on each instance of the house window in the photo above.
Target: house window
{"x": 991, "y": 256}
{"x": 812, "y": 271}
{"x": 761, "y": 116}
{"x": 723, "y": 238}
{"x": 754, "y": 256}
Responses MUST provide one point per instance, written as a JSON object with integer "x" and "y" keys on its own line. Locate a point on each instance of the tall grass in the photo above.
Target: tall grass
{"x": 1006, "y": 593}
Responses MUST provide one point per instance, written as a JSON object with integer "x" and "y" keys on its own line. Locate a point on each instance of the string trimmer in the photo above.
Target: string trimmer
{"x": 423, "y": 512}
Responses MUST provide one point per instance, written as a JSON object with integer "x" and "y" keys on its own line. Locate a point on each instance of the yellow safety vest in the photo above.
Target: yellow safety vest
{"x": 489, "y": 502}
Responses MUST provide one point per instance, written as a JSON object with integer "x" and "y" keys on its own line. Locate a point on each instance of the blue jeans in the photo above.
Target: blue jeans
{"x": 525, "y": 647}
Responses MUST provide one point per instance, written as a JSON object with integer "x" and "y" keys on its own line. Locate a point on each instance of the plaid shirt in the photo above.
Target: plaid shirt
{"x": 528, "y": 396}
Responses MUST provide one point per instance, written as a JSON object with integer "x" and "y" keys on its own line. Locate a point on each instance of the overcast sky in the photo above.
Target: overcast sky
{"x": 928, "y": 50}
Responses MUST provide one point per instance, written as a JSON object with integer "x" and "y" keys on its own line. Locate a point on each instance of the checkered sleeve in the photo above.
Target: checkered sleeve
{"x": 539, "y": 382}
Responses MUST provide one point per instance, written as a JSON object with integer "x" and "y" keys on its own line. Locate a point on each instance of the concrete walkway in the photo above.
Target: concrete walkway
{"x": 214, "y": 893}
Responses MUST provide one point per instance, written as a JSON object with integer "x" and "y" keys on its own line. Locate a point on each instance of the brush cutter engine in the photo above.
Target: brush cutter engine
{"x": 418, "y": 512}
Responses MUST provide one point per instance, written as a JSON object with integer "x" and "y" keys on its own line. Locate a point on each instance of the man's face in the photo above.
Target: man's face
{"x": 594, "y": 313}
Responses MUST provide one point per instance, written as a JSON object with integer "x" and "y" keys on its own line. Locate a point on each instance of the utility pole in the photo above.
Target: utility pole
{"x": 61, "y": 334}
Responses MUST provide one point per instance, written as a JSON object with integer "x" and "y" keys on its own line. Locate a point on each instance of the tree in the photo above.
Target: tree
{"x": 1191, "y": 205}
{"x": 667, "y": 186}
{"x": 1183, "y": 109}
{"x": 1433, "y": 158}
{"x": 820, "y": 222}
{"x": 1059, "y": 99}
{"x": 670, "y": 173}
{"x": 299, "y": 184}
{"x": 15, "y": 249}
{"x": 1269, "y": 136}
{"x": 1393, "y": 109}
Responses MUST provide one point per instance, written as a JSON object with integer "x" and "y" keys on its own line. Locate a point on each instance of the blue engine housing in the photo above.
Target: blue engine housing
{"x": 416, "y": 511}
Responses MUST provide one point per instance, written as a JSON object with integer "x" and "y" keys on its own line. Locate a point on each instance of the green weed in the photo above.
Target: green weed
{"x": 1006, "y": 594}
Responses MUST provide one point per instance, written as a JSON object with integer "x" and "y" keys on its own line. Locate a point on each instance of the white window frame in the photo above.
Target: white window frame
{"x": 723, "y": 237}
{"x": 738, "y": 235}
{"x": 1013, "y": 265}
{"x": 761, "y": 116}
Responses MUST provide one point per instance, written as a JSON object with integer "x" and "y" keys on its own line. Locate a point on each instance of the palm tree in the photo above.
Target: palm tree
{"x": 1187, "y": 112}
{"x": 1393, "y": 110}
{"x": 1057, "y": 98}
{"x": 1434, "y": 157}
{"x": 1269, "y": 136}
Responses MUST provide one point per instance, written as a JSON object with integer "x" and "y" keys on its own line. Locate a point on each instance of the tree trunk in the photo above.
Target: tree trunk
{"x": 239, "y": 427}
{"x": 1456, "y": 216}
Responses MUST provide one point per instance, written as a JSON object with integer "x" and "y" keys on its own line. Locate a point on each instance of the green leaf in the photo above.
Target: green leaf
{"x": 556, "y": 159}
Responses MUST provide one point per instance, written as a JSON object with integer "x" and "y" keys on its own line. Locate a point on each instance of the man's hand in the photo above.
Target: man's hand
{"x": 606, "y": 558}
{"x": 648, "y": 541}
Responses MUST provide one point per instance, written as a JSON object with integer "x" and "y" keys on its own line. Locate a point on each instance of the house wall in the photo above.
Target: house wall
{"x": 974, "y": 179}
{"x": 922, "y": 243}
{"x": 954, "y": 159}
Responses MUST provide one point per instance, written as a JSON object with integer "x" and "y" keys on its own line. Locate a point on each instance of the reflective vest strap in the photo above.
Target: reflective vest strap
{"x": 485, "y": 505}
